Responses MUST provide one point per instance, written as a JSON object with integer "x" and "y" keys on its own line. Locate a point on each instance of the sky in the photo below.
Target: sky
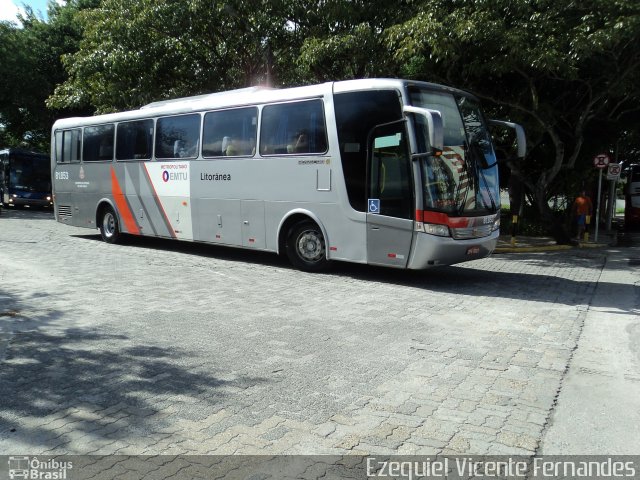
{"x": 10, "y": 8}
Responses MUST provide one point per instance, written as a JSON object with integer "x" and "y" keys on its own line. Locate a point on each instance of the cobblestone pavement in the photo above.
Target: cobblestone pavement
{"x": 155, "y": 347}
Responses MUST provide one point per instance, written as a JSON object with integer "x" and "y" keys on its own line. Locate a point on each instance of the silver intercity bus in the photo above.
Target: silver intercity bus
{"x": 378, "y": 171}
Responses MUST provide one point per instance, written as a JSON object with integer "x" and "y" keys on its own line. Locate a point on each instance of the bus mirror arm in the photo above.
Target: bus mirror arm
{"x": 434, "y": 124}
{"x": 521, "y": 139}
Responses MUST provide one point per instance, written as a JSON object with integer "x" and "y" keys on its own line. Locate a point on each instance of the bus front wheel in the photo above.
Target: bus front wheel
{"x": 109, "y": 228}
{"x": 306, "y": 247}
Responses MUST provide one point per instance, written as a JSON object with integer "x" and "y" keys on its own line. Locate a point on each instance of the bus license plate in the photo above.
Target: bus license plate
{"x": 473, "y": 250}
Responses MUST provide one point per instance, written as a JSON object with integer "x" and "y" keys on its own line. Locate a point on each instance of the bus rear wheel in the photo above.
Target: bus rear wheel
{"x": 306, "y": 247}
{"x": 109, "y": 227}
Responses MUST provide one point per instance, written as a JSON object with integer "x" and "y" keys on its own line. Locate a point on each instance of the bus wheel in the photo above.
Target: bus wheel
{"x": 109, "y": 228}
{"x": 306, "y": 247}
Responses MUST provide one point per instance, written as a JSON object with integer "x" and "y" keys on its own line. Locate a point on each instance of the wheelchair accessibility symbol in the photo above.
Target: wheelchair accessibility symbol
{"x": 374, "y": 205}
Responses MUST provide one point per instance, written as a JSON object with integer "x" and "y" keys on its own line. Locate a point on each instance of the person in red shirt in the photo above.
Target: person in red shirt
{"x": 582, "y": 209}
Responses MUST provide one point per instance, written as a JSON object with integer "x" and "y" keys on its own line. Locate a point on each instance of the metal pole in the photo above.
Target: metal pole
{"x": 612, "y": 204}
{"x": 595, "y": 239}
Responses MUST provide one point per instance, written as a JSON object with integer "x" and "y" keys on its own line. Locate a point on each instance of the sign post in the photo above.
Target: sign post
{"x": 600, "y": 162}
{"x": 613, "y": 175}
{"x": 613, "y": 171}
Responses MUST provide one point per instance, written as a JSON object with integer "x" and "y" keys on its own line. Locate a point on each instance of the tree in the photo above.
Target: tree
{"x": 135, "y": 52}
{"x": 30, "y": 56}
{"x": 345, "y": 39}
{"x": 557, "y": 66}
{"x": 22, "y": 110}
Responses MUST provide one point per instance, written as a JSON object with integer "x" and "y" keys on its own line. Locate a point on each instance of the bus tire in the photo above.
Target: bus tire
{"x": 109, "y": 227}
{"x": 306, "y": 247}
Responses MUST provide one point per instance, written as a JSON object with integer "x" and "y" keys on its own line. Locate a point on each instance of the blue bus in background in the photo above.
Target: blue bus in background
{"x": 25, "y": 179}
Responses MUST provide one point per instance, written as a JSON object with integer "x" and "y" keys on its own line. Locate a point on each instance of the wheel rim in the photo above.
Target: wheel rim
{"x": 109, "y": 224}
{"x": 310, "y": 246}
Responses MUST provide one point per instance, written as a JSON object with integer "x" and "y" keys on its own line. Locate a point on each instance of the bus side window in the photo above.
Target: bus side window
{"x": 178, "y": 137}
{"x": 230, "y": 133}
{"x": 68, "y": 147}
{"x": 97, "y": 143}
{"x": 293, "y": 128}
{"x": 58, "y": 139}
{"x": 134, "y": 140}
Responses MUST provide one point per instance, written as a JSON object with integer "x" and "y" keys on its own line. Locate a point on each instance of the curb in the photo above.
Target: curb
{"x": 531, "y": 249}
{"x": 547, "y": 248}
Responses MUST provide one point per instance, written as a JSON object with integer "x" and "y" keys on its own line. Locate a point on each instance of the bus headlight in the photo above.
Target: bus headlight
{"x": 496, "y": 224}
{"x": 435, "y": 229}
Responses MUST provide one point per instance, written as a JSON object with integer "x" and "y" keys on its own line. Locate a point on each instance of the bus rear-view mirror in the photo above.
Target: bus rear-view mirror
{"x": 432, "y": 122}
{"x": 513, "y": 129}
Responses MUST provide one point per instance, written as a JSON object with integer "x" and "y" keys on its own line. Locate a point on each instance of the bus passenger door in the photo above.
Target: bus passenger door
{"x": 390, "y": 204}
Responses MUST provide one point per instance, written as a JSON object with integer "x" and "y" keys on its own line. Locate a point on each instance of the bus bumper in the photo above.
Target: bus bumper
{"x": 433, "y": 251}
{"x": 30, "y": 202}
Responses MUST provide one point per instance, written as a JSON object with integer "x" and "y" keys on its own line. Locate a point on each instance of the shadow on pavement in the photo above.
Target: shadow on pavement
{"x": 95, "y": 384}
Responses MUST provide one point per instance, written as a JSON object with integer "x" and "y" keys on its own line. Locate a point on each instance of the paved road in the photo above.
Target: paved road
{"x": 156, "y": 347}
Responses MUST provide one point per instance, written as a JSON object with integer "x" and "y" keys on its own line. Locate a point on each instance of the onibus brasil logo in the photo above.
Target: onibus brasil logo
{"x": 33, "y": 468}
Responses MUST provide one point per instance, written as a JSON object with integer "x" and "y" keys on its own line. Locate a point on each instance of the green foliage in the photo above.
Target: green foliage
{"x": 30, "y": 56}
{"x": 20, "y": 110}
{"x": 350, "y": 40}
{"x": 136, "y": 52}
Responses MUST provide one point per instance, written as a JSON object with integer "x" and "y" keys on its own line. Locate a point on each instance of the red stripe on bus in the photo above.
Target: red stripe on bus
{"x": 122, "y": 205}
{"x": 167, "y": 222}
{"x": 440, "y": 218}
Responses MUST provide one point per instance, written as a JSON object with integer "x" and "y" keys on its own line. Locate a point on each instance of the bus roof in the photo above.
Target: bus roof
{"x": 21, "y": 152}
{"x": 243, "y": 97}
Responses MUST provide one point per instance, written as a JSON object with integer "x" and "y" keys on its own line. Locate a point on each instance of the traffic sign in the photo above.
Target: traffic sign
{"x": 601, "y": 161}
{"x": 613, "y": 171}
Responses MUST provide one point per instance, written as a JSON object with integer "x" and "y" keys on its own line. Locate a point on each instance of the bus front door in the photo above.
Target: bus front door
{"x": 390, "y": 204}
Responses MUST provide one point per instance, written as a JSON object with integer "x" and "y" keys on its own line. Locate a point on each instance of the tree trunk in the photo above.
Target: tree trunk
{"x": 553, "y": 222}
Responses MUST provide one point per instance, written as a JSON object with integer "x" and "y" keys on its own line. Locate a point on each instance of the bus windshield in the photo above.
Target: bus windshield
{"x": 464, "y": 179}
{"x": 29, "y": 175}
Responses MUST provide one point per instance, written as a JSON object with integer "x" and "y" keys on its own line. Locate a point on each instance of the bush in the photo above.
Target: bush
{"x": 530, "y": 223}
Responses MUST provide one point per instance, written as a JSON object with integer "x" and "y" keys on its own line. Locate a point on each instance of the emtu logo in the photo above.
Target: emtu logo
{"x": 167, "y": 175}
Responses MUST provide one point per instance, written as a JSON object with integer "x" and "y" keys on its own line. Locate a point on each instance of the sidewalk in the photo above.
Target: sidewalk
{"x": 598, "y": 408}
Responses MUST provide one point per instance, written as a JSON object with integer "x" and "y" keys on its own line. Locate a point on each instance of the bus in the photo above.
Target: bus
{"x": 632, "y": 197}
{"x": 25, "y": 178}
{"x": 375, "y": 171}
